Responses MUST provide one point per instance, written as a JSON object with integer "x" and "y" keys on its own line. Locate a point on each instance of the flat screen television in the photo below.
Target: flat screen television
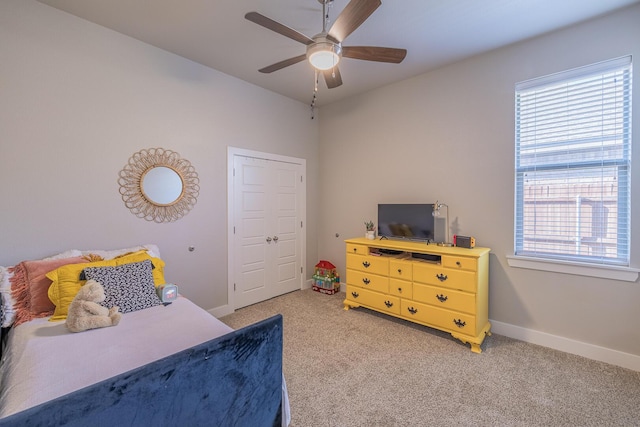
{"x": 406, "y": 221}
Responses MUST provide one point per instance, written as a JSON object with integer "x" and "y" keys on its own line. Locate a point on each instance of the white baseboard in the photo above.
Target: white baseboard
{"x": 224, "y": 310}
{"x": 308, "y": 284}
{"x": 590, "y": 351}
{"x": 221, "y": 311}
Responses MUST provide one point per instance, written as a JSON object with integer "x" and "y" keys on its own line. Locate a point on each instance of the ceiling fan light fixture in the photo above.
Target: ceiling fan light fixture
{"x": 324, "y": 55}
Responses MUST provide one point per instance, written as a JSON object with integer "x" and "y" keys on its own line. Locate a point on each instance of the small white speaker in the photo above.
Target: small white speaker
{"x": 167, "y": 292}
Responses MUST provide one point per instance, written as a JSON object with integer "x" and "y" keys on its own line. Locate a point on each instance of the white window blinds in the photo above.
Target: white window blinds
{"x": 573, "y": 164}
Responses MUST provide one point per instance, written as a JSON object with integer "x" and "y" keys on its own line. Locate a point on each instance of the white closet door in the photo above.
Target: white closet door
{"x": 267, "y": 229}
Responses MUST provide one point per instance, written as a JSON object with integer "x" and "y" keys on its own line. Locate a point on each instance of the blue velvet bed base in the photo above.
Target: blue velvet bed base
{"x": 233, "y": 380}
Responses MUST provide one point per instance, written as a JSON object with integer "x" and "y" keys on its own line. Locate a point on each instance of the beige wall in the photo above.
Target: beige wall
{"x": 77, "y": 100}
{"x": 449, "y": 135}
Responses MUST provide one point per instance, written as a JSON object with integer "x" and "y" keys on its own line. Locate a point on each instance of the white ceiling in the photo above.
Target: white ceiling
{"x": 434, "y": 32}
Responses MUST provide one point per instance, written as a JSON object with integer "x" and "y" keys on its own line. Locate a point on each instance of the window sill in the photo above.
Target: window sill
{"x": 625, "y": 274}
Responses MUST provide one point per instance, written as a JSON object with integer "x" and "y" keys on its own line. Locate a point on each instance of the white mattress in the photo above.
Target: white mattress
{"x": 54, "y": 361}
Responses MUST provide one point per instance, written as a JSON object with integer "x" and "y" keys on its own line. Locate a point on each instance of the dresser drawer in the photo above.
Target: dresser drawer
{"x": 438, "y": 317}
{"x": 460, "y": 263}
{"x": 370, "y": 264}
{"x": 444, "y": 277}
{"x": 400, "y": 288}
{"x": 357, "y": 249}
{"x": 445, "y": 298}
{"x": 375, "y": 300}
{"x": 400, "y": 269}
{"x": 369, "y": 281}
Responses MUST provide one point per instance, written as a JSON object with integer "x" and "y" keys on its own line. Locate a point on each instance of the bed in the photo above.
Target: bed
{"x": 168, "y": 364}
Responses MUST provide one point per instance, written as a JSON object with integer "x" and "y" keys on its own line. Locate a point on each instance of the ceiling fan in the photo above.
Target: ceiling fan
{"x": 324, "y": 50}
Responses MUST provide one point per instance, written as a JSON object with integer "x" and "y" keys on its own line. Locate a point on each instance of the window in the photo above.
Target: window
{"x": 573, "y": 165}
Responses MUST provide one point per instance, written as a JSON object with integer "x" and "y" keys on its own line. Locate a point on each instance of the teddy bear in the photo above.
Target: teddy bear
{"x": 85, "y": 312}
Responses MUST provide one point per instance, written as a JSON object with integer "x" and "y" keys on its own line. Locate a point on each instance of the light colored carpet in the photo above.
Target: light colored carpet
{"x": 361, "y": 368}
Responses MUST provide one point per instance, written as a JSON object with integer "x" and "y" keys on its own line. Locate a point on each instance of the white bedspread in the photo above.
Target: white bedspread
{"x": 54, "y": 361}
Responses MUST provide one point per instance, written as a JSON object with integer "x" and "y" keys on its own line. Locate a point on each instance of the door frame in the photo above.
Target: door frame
{"x": 231, "y": 153}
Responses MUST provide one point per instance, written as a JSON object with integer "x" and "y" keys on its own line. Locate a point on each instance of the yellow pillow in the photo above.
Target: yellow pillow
{"x": 66, "y": 280}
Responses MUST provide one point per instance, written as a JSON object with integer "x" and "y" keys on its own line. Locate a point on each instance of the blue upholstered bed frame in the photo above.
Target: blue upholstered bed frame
{"x": 233, "y": 380}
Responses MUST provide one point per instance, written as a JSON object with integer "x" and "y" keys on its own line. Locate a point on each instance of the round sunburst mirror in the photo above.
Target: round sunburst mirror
{"x": 158, "y": 185}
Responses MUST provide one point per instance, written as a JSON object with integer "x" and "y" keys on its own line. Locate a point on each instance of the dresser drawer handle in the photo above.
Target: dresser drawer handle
{"x": 389, "y": 304}
{"x": 366, "y": 281}
{"x": 442, "y": 298}
{"x": 412, "y": 310}
{"x": 399, "y": 290}
{"x": 459, "y": 323}
{"x": 355, "y": 250}
{"x": 355, "y": 294}
{"x": 458, "y": 264}
{"x": 366, "y": 264}
{"x": 441, "y": 277}
{"x": 399, "y": 271}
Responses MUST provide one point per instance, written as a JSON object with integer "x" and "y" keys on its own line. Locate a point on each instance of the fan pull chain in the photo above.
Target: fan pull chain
{"x": 326, "y": 19}
{"x": 315, "y": 92}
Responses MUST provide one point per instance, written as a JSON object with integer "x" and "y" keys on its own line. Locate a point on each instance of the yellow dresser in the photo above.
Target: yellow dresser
{"x": 446, "y": 288}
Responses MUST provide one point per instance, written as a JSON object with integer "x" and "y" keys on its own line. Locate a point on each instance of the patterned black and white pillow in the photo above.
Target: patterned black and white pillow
{"x": 129, "y": 286}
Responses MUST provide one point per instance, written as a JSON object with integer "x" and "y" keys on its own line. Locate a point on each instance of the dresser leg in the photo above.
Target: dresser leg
{"x": 475, "y": 342}
{"x": 475, "y": 346}
{"x": 348, "y": 304}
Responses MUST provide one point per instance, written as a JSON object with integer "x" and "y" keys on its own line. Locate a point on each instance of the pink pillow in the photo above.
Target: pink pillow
{"x": 29, "y": 287}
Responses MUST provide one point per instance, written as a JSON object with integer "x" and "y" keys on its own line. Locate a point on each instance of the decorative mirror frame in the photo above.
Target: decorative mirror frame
{"x": 131, "y": 180}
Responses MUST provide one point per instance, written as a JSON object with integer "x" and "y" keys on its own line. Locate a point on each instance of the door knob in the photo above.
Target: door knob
{"x": 268, "y": 239}
{"x": 275, "y": 238}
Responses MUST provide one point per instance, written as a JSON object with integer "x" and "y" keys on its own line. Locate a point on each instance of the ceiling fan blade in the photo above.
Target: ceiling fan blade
{"x": 332, "y": 77}
{"x": 280, "y": 65}
{"x": 373, "y": 53}
{"x": 278, "y": 27}
{"x": 351, "y": 17}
